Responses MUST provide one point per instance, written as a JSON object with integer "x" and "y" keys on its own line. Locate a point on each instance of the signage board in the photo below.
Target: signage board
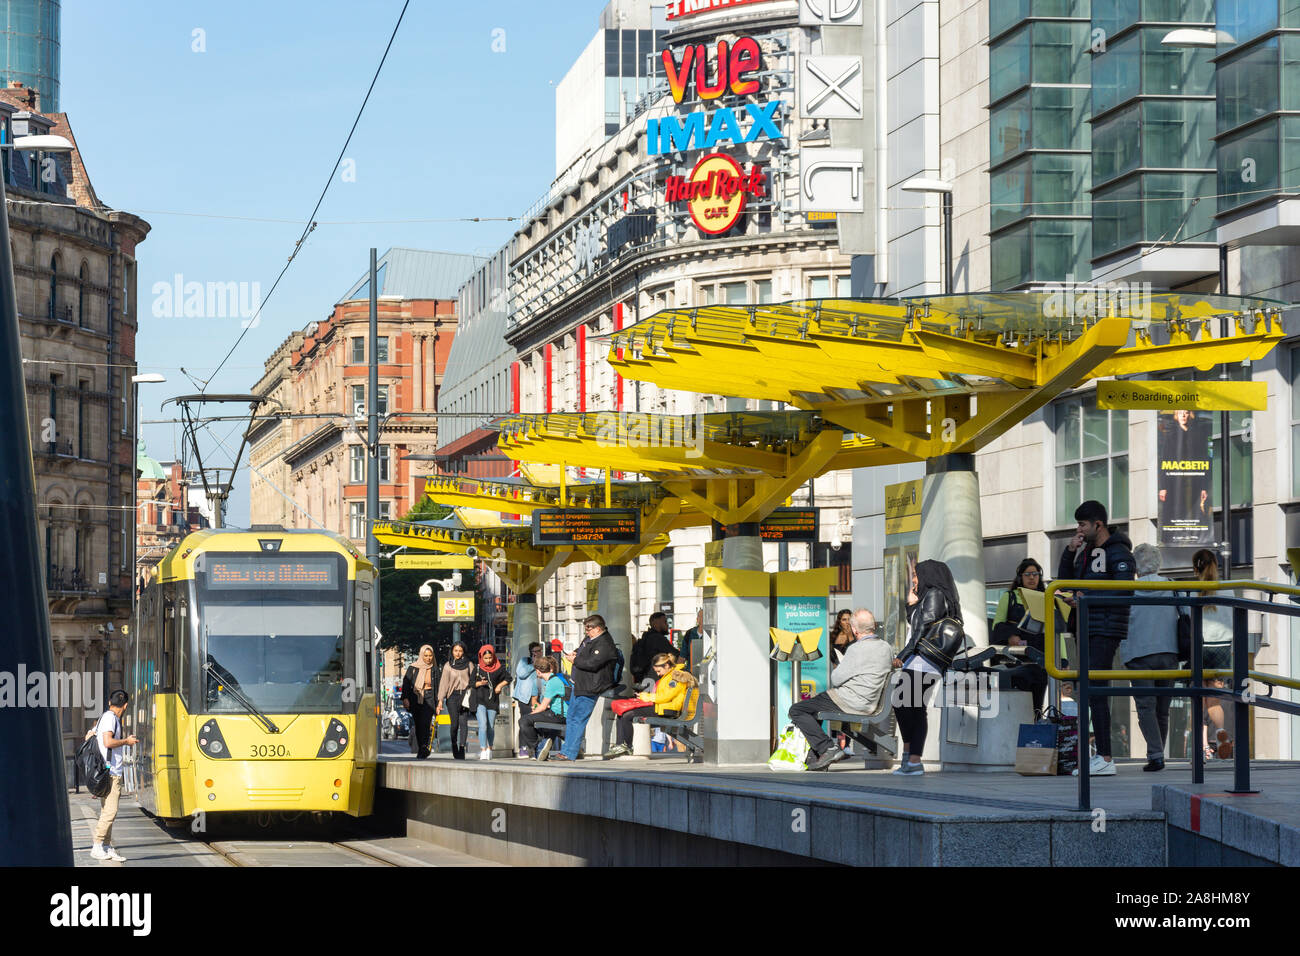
{"x": 681, "y": 9}
{"x": 586, "y": 526}
{"x": 715, "y": 192}
{"x": 830, "y": 13}
{"x": 455, "y": 605}
{"x": 433, "y": 562}
{"x": 832, "y": 180}
{"x": 786, "y": 524}
{"x": 903, "y": 507}
{"x": 1169, "y": 396}
{"x": 830, "y": 87}
{"x": 681, "y": 134}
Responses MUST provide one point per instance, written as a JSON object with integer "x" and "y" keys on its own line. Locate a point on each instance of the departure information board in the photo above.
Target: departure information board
{"x": 586, "y": 526}
{"x": 310, "y": 572}
{"x": 785, "y": 524}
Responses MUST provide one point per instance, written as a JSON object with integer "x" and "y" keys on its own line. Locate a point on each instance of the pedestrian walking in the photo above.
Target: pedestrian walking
{"x": 453, "y": 688}
{"x": 488, "y": 678}
{"x": 1151, "y": 645}
{"x": 419, "y": 697}
{"x": 109, "y": 734}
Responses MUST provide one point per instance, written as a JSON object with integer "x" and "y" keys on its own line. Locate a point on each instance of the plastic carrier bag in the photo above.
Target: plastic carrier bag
{"x": 791, "y": 751}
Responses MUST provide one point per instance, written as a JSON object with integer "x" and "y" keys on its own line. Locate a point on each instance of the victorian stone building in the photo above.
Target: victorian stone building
{"x": 75, "y": 276}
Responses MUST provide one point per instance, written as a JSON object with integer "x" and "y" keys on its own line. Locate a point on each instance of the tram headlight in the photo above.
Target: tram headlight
{"x": 336, "y": 739}
{"x": 212, "y": 743}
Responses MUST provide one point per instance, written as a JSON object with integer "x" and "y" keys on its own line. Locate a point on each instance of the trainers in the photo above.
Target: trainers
{"x": 523, "y": 754}
{"x": 907, "y": 768}
{"x": 561, "y": 757}
{"x": 1155, "y": 763}
{"x": 97, "y": 852}
{"x": 1099, "y": 766}
{"x": 618, "y": 750}
{"x": 830, "y": 755}
{"x": 114, "y": 855}
{"x": 546, "y": 749}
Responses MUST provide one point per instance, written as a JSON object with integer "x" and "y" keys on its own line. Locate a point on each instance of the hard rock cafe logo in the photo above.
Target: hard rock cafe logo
{"x": 715, "y": 191}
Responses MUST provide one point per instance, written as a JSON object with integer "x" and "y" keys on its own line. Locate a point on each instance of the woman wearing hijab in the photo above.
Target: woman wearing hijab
{"x": 419, "y": 697}
{"x": 487, "y": 679}
{"x": 452, "y": 687}
{"x": 933, "y": 597}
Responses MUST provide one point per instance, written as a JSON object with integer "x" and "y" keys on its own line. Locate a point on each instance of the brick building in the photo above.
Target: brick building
{"x": 323, "y": 378}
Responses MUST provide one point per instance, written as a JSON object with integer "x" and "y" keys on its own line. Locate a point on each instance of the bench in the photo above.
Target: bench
{"x": 875, "y": 731}
{"x": 682, "y": 727}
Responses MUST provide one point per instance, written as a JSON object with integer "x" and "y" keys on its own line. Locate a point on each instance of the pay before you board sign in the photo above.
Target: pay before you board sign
{"x": 801, "y": 614}
{"x": 560, "y": 526}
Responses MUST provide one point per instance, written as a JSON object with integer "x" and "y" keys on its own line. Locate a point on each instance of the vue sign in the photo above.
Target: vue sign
{"x": 731, "y": 66}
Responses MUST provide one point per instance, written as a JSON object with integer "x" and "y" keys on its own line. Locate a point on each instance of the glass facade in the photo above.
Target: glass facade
{"x": 1091, "y": 458}
{"x": 1039, "y": 141}
{"x": 31, "y": 47}
{"x": 628, "y": 69}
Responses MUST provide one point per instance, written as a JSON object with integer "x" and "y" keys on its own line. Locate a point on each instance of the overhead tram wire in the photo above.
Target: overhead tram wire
{"x": 311, "y": 219}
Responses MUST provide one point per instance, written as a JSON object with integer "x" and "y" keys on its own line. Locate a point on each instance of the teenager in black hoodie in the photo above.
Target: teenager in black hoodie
{"x": 1095, "y": 552}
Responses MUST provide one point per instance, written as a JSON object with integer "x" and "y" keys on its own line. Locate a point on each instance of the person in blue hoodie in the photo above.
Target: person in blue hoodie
{"x": 525, "y": 690}
{"x": 1096, "y": 552}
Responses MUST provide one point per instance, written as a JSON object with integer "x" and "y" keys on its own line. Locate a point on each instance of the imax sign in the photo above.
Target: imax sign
{"x": 679, "y": 134}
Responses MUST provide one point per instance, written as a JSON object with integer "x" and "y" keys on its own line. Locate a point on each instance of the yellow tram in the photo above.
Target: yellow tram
{"x": 253, "y": 686}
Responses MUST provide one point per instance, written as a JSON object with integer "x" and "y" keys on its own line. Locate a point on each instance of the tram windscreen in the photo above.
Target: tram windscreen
{"x": 282, "y": 649}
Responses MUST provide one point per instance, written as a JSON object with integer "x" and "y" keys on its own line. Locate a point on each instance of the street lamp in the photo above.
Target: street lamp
{"x": 35, "y": 804}
{"x": 920, "y": 184}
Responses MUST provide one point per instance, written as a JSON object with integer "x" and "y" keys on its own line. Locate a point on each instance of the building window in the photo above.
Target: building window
{"x": 356, "y": 519}
{"x": 381, "y": 349}
{"x": 54, "y": 286}
{"x": 83, "y": 279}
{"x": 83, "y": 433}
{"x": 357, "y": 463}
{"x": 385, "y": 468}
{"x": 763, "y": 290}
{"x": 706, "y": 295}
{"x": 1091, "y": 458}
{"x": 734, "y": 293}
{"x": 358, "y": 407}
{"x": 385, "y": 511}
{"x": 358, "y": 350}
{"x": 381, "y": 401}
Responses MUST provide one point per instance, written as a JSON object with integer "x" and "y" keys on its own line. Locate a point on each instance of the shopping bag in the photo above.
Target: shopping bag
{"x": 1036, "y": 754}
{"x": 623, "y": 705}
{"x": 1067, "y": 740}
{"x": 791, "y": 751}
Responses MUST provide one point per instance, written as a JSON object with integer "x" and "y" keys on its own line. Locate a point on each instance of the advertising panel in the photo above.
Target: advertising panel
{"x": 1183, "y": 478}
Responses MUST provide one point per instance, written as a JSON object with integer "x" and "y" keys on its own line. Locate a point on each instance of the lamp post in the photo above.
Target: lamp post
{"x": 1187, "y": 38}
{"x": 919, "y": 184}
{"x": 34, "y": 801}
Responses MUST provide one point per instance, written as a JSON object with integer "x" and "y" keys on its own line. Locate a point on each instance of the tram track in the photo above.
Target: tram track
{"x": 253, "y": 853}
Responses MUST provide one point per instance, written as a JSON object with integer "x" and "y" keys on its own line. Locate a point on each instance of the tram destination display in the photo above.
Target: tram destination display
{"x": 586, "y": 526}
{"x": 786, "y": 524}
{"x": 235, "y": 571}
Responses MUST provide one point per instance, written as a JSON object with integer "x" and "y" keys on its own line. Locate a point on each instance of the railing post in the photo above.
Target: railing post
{"x": 1240, "y": 709}
{"x": 1085, "y": 714}
{"x": 1198, "y": 701}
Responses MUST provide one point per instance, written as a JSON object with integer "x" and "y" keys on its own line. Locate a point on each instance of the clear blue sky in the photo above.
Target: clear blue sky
{"x": 252, "y": 126}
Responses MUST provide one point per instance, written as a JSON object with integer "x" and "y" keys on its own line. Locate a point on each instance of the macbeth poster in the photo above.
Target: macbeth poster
{"x": 1183, "y": 447}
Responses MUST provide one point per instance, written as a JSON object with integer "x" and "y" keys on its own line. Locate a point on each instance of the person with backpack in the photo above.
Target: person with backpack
{"x": 935, "y": 635}
{"x": 646, "y": 648}
{"x": 552, "y": 703}
{"x": 595, "y": 666}
{"x": 108, "y": 734}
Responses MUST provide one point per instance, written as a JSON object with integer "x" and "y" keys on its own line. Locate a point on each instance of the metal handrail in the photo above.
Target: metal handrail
{"x": 1240, "y": 678}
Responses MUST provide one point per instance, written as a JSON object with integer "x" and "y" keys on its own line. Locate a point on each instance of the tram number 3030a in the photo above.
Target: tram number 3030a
{"x": 268, "y": 750}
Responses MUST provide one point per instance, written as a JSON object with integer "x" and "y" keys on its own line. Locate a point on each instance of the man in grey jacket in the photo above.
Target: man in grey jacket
{"x": 857, "y": 687}
{"x": 1151, "y": 645}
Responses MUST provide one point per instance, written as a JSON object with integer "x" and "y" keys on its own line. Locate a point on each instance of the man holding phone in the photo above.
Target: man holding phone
{"x": 1097, "y": 553}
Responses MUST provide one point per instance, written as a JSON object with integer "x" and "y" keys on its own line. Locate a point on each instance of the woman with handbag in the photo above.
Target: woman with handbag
{"x": 487, "y": 679}
{"x": 668, "y": 698}
{"x": 935, "y": 636}
{"x": 454, "y": 695}
{"x": 419, "y": 697}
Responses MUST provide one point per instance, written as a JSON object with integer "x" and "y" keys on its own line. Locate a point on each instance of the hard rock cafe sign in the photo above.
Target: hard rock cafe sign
{"x": 715, "y": 191}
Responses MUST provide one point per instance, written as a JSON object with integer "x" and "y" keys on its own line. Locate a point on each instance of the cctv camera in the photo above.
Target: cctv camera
{"x": 426, "y": 592}
{"x": 471, "y": 552}
{"x": 836, "y": 544}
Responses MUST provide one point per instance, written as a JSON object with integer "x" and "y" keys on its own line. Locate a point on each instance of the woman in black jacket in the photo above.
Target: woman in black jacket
{"x": 933, "y": 597}
{"x": 488, "y": 677}
{"x": 419, "y": 696}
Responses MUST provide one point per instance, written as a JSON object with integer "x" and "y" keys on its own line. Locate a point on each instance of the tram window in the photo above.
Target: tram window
{"x": 181, "y": 678}
{"x": 168, "y": 644}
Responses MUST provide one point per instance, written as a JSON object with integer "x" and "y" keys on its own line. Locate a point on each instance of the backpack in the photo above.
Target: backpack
{"x": 943, "y": 641}
{"x": 566, "y": 696}
{"x": 93, "y": 769}
{"x": 618, "y": 665}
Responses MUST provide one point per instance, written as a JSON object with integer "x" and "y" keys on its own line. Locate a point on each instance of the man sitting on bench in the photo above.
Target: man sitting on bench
{"x": 857, "y": 686}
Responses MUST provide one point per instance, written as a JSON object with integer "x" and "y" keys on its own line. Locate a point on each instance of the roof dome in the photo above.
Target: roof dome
{"x": 148, "y": 469}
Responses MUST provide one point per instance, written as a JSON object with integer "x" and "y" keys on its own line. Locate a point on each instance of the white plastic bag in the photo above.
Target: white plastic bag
{"x": 791, "y": 751}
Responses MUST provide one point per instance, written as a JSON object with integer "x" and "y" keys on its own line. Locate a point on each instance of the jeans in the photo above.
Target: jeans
{"x": 580, "y": 709}
{"x": 1101, "y": 657}
{"x": 1153, "y": 712}
{"x": 487, "y": 727}
{"x": 804, "y": 716}
{"x": 528, "y": 731}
